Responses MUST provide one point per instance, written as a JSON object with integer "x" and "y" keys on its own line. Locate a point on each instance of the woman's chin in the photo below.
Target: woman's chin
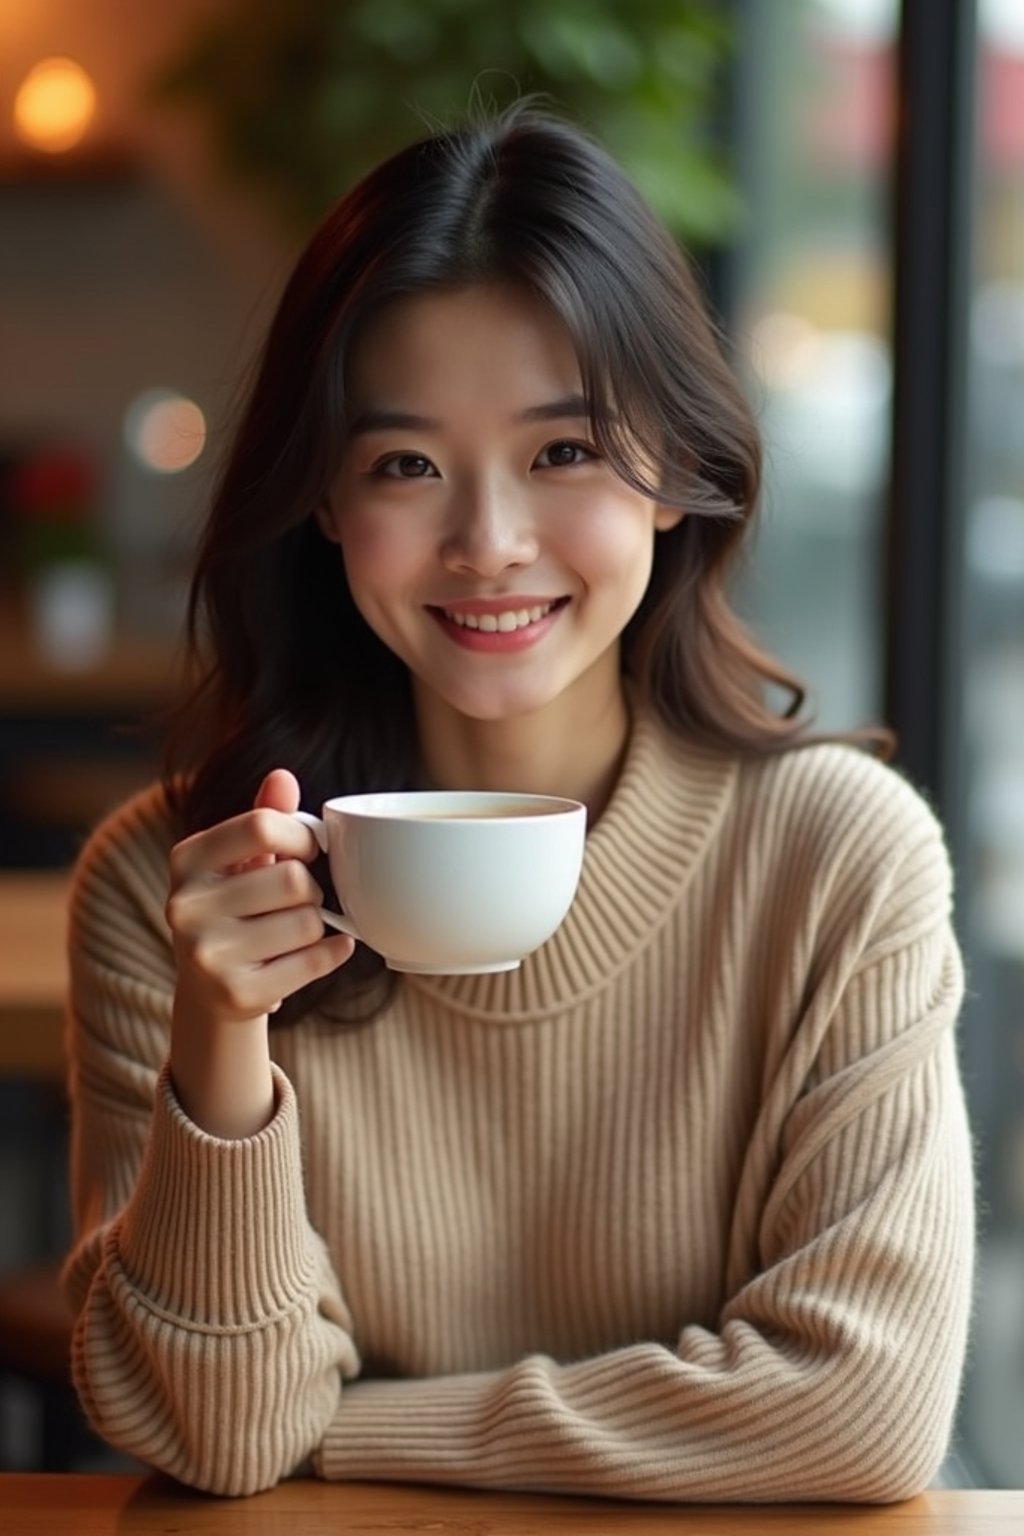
{"x": 491, "y": 706}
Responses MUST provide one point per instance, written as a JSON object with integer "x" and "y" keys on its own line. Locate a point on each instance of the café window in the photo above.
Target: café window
{"x": 816, "y": 322}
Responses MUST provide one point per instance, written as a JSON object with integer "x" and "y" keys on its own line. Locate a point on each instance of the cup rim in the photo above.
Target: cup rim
{"x": 423, "y": 804}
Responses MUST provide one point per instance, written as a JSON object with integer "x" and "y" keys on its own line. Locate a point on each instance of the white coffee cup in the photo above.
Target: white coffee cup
{"x": 451, "y": 882}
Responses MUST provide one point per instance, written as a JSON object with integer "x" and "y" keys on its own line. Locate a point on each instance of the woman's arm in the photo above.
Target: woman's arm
{"x": 204, "y": 1299}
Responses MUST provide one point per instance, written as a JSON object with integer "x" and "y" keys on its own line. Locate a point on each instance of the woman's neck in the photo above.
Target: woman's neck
{"x": 576, "y": 752}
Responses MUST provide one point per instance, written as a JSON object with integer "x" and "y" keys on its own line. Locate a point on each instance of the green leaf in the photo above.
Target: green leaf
{"x": 302, "y": 96}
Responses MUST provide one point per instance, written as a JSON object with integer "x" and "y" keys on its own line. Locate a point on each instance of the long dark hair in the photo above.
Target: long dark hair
{"x": 293, "y": 676}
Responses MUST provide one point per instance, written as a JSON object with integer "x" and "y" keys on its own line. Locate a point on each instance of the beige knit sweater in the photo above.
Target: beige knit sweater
{"x": 682, "y": 1209}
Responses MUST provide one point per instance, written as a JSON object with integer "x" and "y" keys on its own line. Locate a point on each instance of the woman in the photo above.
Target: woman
{"x": 682, "y": 1208}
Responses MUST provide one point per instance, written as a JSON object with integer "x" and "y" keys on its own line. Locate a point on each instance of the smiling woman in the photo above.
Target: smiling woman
{"x": 572, "y": 1225}
{"x": 602, "y": 296}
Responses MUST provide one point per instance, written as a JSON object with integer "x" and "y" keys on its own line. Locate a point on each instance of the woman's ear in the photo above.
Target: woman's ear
{"x": 326, "y": 521}
{"x": 666, "y": 517}
{"x": 667, "y": 514}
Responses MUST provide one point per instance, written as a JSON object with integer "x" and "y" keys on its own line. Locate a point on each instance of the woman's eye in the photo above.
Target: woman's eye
{"x": 405, "y": 466}
{"x": 564, "y": 454}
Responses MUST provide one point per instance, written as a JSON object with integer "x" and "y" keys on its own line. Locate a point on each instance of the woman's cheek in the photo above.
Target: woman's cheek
{"x": 610, "y": 543}
{"x": 370, "y": 542}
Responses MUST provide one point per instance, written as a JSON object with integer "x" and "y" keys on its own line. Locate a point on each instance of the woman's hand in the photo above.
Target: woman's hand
{"x": 243, "y": 915}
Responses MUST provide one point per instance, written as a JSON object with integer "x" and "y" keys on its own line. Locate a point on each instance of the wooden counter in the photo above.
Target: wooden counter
{"x": 119, "y": 1506}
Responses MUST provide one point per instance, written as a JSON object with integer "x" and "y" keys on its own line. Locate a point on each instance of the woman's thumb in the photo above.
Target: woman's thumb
{"x": 279, "y": 791}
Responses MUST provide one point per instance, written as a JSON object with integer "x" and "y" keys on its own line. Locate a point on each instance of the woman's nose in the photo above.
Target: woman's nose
{"x": 491, "y": 530}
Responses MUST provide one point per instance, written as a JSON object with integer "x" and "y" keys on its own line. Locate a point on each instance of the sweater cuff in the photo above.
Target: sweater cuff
{"x": 427, "y": 1430}
{"x": 215, "y": 1234}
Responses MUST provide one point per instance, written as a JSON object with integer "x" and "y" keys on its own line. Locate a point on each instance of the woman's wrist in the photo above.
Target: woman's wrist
{"x": 221, "y": 1072}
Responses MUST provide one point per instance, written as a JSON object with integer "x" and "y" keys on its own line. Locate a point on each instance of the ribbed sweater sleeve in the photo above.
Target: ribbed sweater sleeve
{"x": 204, "y": 1298}
{"x": 832, "y": 1371}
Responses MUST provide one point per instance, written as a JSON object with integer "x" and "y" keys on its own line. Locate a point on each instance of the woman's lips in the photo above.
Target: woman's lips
{"x": 498, "y": 625}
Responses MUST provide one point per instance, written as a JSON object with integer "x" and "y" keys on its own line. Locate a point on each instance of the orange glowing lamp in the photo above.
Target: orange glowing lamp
{"x": 54, "y": 106}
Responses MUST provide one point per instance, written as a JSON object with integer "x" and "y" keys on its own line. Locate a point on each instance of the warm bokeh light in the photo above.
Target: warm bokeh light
{"x": 165, "y": 431}
{"x": 54, "y": 106}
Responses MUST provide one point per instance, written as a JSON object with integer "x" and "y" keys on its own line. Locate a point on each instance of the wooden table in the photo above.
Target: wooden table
{"x": 32, "y": 1504}
{"x": 33, "y": 973}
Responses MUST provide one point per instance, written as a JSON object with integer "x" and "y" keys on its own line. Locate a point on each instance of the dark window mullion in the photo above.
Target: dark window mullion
{"x": 933, "y": 204}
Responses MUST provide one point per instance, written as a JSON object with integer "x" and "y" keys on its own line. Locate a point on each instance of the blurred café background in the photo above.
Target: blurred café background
{"x": 849, "y": 175}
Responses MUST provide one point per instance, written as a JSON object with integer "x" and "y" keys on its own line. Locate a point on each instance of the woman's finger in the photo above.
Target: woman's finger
{"x": 253, "y": 892}
{"x": 218, "y": 949}
{"x": 246, "y": 991}
{"x": 251, "y": 835}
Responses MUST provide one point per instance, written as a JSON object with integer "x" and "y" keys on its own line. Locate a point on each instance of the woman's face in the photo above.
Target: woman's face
{"x": 485, "y": 540}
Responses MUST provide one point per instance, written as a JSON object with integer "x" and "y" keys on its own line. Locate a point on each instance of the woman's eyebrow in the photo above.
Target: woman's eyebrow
{"x": 375, "y": 419}
{"x": 574, "y": 407}
{"x": 568, "y": 408}
{"x": 391, "y": 421}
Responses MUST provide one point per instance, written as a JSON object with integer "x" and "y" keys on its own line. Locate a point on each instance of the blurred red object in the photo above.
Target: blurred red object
{"x": 53, "y": 486}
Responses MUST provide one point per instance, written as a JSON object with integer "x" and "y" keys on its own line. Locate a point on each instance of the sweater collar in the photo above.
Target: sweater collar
{"x": 667, "y": 804}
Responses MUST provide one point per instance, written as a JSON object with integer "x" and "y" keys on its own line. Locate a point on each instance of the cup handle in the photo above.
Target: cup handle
{"x": 331, "y": 919}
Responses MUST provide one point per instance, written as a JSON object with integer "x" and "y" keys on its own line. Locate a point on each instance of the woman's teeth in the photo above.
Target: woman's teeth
{"x": 504, "y": 623}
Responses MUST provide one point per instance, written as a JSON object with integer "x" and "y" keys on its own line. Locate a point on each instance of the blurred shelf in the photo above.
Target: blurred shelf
{"x": 75, "y": 742}
{"x": 137, "y": 671}
{"x": 72, "y": 790}
{"x": 33, "y": 978}
{"x": 101, "y": 165}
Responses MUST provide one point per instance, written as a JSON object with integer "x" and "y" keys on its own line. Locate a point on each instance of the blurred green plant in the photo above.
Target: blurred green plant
{"x": 304, "y": 96}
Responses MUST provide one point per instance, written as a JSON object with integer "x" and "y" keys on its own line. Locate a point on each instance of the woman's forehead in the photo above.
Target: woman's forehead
{"x": 498, "y": 331}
